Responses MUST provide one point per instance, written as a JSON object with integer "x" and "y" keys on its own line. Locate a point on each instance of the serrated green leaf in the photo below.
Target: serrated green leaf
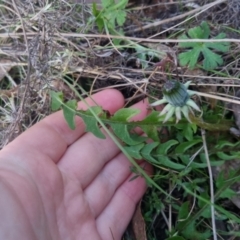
{"x": 125, "y": 114}
{"x": 164, "y": 147}
{"x": 183, "y": 211}
{"x": 197, "y": 33}
{"x": 100, "y": 24}
{"x": 185, "y": 172}
{"x": 223, "y": 47}
{"x": 134, "y": 151}
{"x": 95, "y": 11}
{"x": 121, "y": 4}
{"x": 194, "y": 165}
{"x": 207, "y": 211}
{"x": 205, "y": 30}
{"x": 151, "y": 129}
{"x": 225, "y": 156}
{"x": 189, "y": 58}
{"x": 200, "y": 32}
{"x": 107, "y": 3}
{"x": 121, "y": 17}
{"x": 186, "y": 44}
{"x": 56, "y": 100}
{"x": 224, "y": 143}
{"x": 228, "y": 193}
{"x": 110, "y": 20}
{"x": 188, "y": 132}
{"x": 165, "y": 161}
{"x": 190, "y": 232}
{"x": 70, "y": 113}
{"x": 98, "y": 16}
{"x": 221, "y": 181}
{"x": 146, "y": 152}
{"x": 122, "y": 132}
{"x": 91, "y": 122}
{"x": 228, "y": 214}
{"x": 211, "y": 59}
{"x": 112, "y": 13}
{"x": 183, "y": 147}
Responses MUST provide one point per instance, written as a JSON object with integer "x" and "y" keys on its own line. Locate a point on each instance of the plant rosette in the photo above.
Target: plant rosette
{"x": 178, "y": 99}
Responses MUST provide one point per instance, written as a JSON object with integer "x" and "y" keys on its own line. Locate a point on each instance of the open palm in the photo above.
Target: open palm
{"x": 56, "y": 183}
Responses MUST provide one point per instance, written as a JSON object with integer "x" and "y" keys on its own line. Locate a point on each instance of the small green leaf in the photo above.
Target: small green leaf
{"x": 56, "y": 100}
{"x": 91, "y": 122}
{"x": 224, "y": 143}
{"x": 146, "y": 152}
{"x": 164, "y": 147}
{"x": 125, "y": 114}
{"x": 183, "y": 147}
{"x": 183, "y": 211}
{"x": 189, "y": 58}
{"x": 225, "y": 156}
{"x": 211, "y": 59}
{"x": 111, "y": 13}
{"x": 206, "y": 213}
{"x": 222, "y": 180}
{"x": 149, "y": 128}
{"x": 188, "y": 132}
{"x": 95, "y": 11}
{"x": 165, "y": 161}
{"x": 69, "y": 112}
{"x": 122, "y": 131}
{"x": 121, "y": 17}
{"x": 134, "y": 151}
{"x": 151, "y": 131}
{"x": 194, "y": 165}
{"x": 107, "y": 3}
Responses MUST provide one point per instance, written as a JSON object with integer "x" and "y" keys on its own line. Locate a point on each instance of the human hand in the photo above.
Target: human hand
{"x": 56, "y": 183}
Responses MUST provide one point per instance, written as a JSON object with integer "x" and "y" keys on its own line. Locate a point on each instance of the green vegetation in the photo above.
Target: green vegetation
{"x": 191, "y": 57}
{"x": 111, "y": 14}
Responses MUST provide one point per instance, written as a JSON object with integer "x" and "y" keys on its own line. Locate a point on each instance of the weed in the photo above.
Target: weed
{"x": 191, "y": 57}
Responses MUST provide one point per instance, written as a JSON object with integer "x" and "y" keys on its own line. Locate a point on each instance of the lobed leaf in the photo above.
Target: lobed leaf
{"x": 91, "y": 122}
{"x": 183, "y": 147}
{"x": 164, "y": 147}
{"x": 146, "y": 152}
{"x": 56, "y": 100}
{"x": 122, "y": 131}
{"x": 70, "y": 113}
{"x": 107, "y": 3}
{"x": 125, "y": 114}
{"x": 134, "y": 151}
{"x": 165, "y": 161}
{"x": 211, "y": 59}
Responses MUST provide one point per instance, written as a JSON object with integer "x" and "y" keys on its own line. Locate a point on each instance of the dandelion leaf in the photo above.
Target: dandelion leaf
{"x": 69, "y": 113}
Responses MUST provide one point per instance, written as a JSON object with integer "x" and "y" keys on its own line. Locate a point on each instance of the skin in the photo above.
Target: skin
{"x": 56, "y": 183}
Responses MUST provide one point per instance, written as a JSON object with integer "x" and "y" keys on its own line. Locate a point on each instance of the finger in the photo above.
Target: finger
{"x": 87, "y": 156}
{"x": 114, "y": 219}
{"x": 103, "y": 187}
{"x": 52, "y": 136}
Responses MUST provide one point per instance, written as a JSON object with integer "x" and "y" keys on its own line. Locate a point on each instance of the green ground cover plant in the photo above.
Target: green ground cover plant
{"x": 211, "y": 60}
